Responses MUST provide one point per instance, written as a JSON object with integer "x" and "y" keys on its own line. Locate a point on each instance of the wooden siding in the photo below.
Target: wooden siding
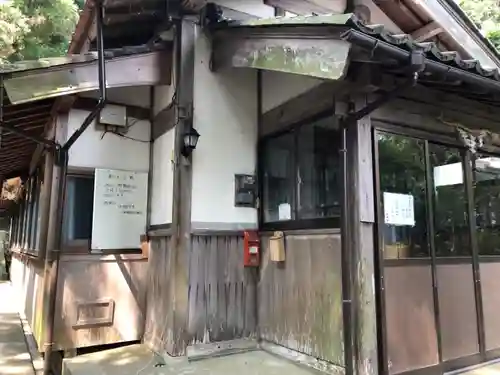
{"x": 101, "y": 300}
{"x": 300, "y": 302}
{"x": 222, "y": 292}
{"x": 159, "y": 316}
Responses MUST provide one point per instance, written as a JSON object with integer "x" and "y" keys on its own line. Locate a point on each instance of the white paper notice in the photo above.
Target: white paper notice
{"x": 398, "y": 209}
{"x": 284, "y": 211}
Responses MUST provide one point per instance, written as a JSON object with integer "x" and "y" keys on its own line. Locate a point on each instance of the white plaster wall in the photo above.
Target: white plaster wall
{"x": 137, "y": 96}
{"x": 163, "y": 179}
{"x": 162, "y": 98}
{"x": 112, "y": 151}
{"x": 278, "y": 87}
{"x": 225, "y": 115}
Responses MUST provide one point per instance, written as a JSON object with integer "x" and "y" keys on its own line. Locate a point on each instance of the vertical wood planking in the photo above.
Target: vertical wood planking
{"x": 300, "y": 304}
{"x": 221, "y": 292}
{"x": 159, "y": 319}
{"x": 361, "y": 240}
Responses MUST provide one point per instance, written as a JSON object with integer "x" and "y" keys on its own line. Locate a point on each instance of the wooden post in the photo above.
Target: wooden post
{"x": 361, "y": 237}
{"x": 181, "y": 219}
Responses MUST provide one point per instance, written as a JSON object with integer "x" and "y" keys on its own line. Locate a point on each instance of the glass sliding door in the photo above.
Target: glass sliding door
{"x": 411, "y": 331}
{"x": 453, "y": 249}
{"x": 487, "y": 220}
{"x": 427, "y": 267}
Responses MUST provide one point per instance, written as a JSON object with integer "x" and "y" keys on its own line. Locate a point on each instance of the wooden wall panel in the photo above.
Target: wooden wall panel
{"x": 159, "y": 316}
{"x": 411, "y": 328}
{"x": 107, "y": 293}
{"x": 222, "y": 292}
{"x": 457, "y": 310}
{"x": 490, "y": 285}
{"x": 300, "y": 302}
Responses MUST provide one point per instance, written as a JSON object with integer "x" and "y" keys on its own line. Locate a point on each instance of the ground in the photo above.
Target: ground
{"x": 14, "y": 355}
{"x": 138, "y": 360}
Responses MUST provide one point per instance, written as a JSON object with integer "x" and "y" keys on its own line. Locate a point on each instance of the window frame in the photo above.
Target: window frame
{"x": 80, "y": 246}
{"x": 84, "y": 246}
{"x": 294, "y": 224}
{"x": 25, "y": 230}
{"x": 441, "y": 139}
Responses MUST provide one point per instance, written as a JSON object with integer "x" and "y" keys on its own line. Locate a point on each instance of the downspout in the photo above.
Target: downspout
{"x": 416, "y": 65}
{"x": 62, "y": 155}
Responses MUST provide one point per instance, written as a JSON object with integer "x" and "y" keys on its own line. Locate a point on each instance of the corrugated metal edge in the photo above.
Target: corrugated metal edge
{"x": 45, "y": 63}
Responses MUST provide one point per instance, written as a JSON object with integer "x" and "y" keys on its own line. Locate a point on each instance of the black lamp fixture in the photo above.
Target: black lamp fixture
{"x": 189, "y": 142}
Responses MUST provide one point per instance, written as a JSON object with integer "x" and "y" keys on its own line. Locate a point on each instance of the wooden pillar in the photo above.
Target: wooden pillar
{"x": 181, "y": 219}
{"x": 45, "y": 199}
{"x": 49, "y": 239}
{"x": 362, "y": 246}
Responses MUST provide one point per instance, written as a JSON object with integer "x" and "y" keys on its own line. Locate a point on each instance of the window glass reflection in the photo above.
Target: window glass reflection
{"x": 78, "y": 208}
{"x": 279, "y": 178}
{"x": 403, "y": 194}
{"x": 318, "y": 167}
{"x": 487, "y": 203}
{"x": 451, "y": 228}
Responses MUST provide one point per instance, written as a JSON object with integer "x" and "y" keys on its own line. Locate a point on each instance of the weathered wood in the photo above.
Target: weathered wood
{"x": 361, "y": 239}
{"x": 302, "y": 359}
{"x": 427, "y": 116}
{"x": 159, "y": 315}
{"x": 100, "y": 300}
{"x": 427, "y": 32}
{"x": 300, "y": 304}
{"x": 222, "y": 292}
{"x": 178, "y": 278}
{"x": 45, "y": 199}
{"x": 372, "y": 77}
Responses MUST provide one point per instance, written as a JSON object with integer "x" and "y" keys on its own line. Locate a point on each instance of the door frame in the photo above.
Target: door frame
{"x": 380, "y": 263}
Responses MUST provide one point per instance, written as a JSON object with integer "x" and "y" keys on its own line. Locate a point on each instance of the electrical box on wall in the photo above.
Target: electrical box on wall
{"x": 113, "y": 115}
{"x": 245, "y": 190}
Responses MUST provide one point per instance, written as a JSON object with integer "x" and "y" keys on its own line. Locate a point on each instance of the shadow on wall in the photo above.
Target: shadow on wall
{"x": 100, "y": 302}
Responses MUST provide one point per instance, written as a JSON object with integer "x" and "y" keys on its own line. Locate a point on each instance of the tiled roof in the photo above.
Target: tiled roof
{"x": 350, "y": 24}
{"x": 431, "y": 50}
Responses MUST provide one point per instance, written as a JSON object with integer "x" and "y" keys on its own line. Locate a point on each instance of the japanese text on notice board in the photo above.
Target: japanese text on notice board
{"x": 398, "y": 209}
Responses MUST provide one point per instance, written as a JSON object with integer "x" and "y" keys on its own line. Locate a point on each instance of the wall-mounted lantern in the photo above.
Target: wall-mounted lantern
{"x": 189, "y": 140}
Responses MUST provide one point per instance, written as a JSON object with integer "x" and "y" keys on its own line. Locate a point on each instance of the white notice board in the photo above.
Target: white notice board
{"x": 120, "y": 205}
{"x": 398, "y": 209}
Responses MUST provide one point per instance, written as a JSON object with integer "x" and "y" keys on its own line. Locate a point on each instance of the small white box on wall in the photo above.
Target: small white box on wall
{"x": 113, "y": 115}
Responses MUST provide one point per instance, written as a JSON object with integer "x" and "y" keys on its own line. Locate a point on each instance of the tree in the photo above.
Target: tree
{"x": 486, "y": 15}
{"x": 32, "y": 29}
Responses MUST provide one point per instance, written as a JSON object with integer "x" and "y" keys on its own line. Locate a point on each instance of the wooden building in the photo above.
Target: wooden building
{"x": 340, "y": 204}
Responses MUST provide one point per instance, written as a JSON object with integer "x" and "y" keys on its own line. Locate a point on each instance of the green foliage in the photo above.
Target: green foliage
{"x": 486, "y": 15}
{"x": 32, "y": 29}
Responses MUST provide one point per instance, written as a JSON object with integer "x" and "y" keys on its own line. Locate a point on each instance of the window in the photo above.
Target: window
{"x": 300, "y": 175}
{"x": 25, "y": 231}
{"x": 487, "y": 203}
{"x": 451, "y": 225}
{"x": 78, "y": 208}
{"x": 403, "y": 175}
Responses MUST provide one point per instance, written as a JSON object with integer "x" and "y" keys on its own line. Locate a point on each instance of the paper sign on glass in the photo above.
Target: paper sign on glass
{"x": 398, "y": 209}
{"x": 284, "y": 211}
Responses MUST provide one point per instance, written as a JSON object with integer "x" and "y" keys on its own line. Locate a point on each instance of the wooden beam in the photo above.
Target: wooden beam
{"x": 427, "y": 32}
